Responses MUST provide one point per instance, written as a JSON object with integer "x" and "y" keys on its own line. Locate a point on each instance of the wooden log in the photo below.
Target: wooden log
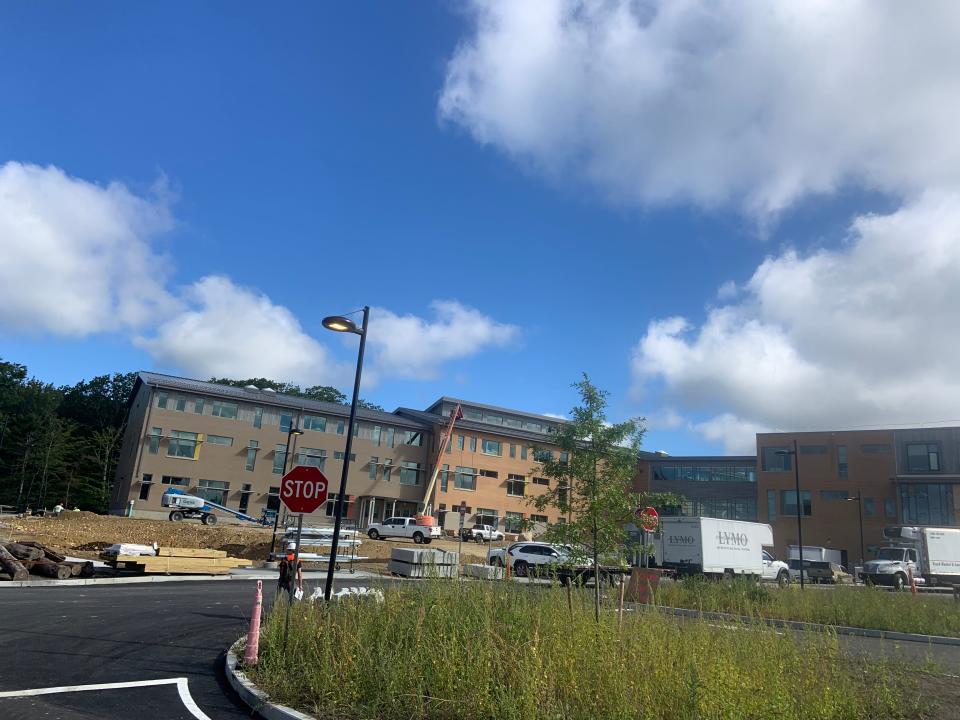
{"x": 6, "y": 576}
{"x": 24, "y": 552}
{"x": 79, "y": 569}
{"x": 12, "y": 566}
{"x": 47, "y": 552}
{"x": 51, "y": 569}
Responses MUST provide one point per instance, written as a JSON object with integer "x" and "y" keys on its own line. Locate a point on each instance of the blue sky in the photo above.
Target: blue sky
{"x": 324, "y": 156}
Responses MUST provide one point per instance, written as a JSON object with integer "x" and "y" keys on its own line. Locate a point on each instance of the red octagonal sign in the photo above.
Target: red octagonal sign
{"x": 303, "y": 489}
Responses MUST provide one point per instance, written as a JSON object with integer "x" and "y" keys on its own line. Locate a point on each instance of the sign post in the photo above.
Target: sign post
{"x": 463, "y": 512}
{"x": 649, "y": 522}
{"x": 302, "y": 490}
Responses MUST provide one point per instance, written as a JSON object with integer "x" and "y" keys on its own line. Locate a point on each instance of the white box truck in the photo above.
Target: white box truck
{"x": 931, "y": 554}
{"x": 711, "y": 546}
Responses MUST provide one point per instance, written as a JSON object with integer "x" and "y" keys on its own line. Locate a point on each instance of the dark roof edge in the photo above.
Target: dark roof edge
{"x": 538, "y": 416}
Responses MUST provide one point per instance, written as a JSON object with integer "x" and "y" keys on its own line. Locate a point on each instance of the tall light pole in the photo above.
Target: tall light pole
{"x": 796, "y": 477}
{"x": 286, "y": 453}
{"x": 859, "y": 499}
{"x": 338, "y": 323}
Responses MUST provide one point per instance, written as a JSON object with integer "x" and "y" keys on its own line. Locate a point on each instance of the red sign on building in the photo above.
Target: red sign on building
{"x": 303, "y": 489}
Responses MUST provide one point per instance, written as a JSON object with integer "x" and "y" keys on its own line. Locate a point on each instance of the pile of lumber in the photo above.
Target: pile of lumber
{"x": 20, "y": 560}
{"x": 173, "y": 560}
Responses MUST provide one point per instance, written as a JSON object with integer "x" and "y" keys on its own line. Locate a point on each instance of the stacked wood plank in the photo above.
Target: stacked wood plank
{"x": 20, "y": 560}
{"x": 171, "y": 560}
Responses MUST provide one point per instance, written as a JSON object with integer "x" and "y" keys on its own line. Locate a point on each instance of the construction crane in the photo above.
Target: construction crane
{"x": 186, "y": 505}
{"x": 426, "y": 516}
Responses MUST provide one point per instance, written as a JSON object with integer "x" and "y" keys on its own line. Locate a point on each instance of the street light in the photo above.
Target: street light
{"x": 286, "y": 453}
{"x": 859, "y": 500}
{"x": 338, "y": 323}
{"x": 796, "y": 477}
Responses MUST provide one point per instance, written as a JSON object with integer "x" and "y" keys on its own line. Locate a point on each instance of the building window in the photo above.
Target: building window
{"x": 523, "y": 452}
{"x": 220, "y": 440}
{"x": 459, "y": 442}
{"x": 444, "y": 481}
{"x": 449, "y": 443}
{"x": 813, "y": 449}
{"x": 473, "y": 444}
{"x": 273, "y": 499}
{"x": 155, "y": 435}
{"x": 516, "y": 485}
{"x": 145, "y": 486}
{"x": 512, "y": 522}
{"x": 313, "y": 457}
{"x": 538, "y": 519}
{"x": 493, "y": 419}
{"x": 490, "y": 447}
{"x": 224, "y": 410}
{"x": 286, "y": 422}
{"x": 171, "y": 480}
{"x": 541, "y": 481}
{"x": 339, "y": 427}
{"x": 181, "y": 403}
{"x": 387, "y": 468}
{"x": 487, "y": 516}
{"x": 876, "y": 448}
{"x": 513, "y": 422}
{"x": 374, "y": 462}
{"x": 540, "y": 455}
{"x": 869, "y": 508}
{"x": 564, "y": 457}
{"x": 927, "y": 504}
{"x": 375, "y": 437}
{"x": 489, "y": 474}
{"x": 389, "y": 439}
{"x": 834, "y": 495}
{"x": 842, "y": 467}
{"x": 251, "y": 455}
{"x": 162, "y": 399}
{"x": 198, "y": 406}
{"x": 245, "y": 493}
{"x": 258, "y": 417}
{"x": 465, "y": 478}
{"x": 314, "y": 422}
{"x": 182, "y": 444}
{"x": 409, "y": 473}
{"x": 890, "y": 508}
{"x": 413, "y": 437}
{"x": 279, "y": 459}
{"x": 788, "y": 503}
{"x": 338, "y": 455}
{"x": 923, "y": 457}
{"x": 331, "y": 506}
{"x": 513, "y": 450}
{"x": 774, "y": 462}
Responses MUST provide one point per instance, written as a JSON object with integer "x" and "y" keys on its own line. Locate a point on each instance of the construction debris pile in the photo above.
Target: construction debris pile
{"x": 172, "y": 560}
{"x": 19, "y": 560}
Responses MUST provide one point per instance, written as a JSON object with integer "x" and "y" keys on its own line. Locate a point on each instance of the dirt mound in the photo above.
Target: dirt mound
{"x": 75, "y": 516}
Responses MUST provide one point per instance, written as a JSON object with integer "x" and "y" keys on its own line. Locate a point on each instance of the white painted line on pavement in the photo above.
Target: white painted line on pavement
{"x": 182, "y": 688}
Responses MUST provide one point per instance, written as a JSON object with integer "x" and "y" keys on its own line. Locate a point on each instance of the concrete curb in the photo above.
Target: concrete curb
{"x": 253, "y": 696}
{"x": 806, "y": 626}
{"x": 267, "y": 576}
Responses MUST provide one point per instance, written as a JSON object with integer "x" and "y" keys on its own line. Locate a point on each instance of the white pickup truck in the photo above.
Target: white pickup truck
{"x": 403, "y": 527}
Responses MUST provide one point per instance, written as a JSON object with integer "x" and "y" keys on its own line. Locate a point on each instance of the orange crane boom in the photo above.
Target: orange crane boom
{"x": 455, "y": 415}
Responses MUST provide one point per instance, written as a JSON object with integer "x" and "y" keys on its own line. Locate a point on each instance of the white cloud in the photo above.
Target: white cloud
{"x": 863, "y": 335}
{"x": 77, "y": 257}
{"x": 738, "y": 436}
{"x": 230, "y": 331}
{"x": 710, "y": 102}
{"x": 408, "y": 346}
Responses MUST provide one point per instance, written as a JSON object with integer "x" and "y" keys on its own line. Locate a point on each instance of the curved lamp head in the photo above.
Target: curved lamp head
{"x": 338, "y": 323}
{"x": 296, "y": 431}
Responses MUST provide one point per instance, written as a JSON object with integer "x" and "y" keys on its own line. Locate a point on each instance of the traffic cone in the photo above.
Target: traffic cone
{"x": 253, "y": 635}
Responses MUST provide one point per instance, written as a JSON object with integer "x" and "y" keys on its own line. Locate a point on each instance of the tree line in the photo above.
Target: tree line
{"x": 60, "y": 444}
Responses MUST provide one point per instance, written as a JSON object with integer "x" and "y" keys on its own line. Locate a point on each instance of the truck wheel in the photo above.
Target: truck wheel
{"x": 418, "y": 537}
{"x": 209, "y": 519}
{"x": 176, "y": 516}
{"x": 427, "y": 541}
{"x": 498, "y": 561}
{"x": 478, "y": 540}
{"x": 899, "y": 581}
{"x": 520, "y": 568}
{"x": 783, "y": 578}
{"x": 373, "y": 534}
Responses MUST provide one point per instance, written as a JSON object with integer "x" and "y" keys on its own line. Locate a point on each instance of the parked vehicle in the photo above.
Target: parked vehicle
{"x": 775, "y": 570}
{"x": 712, "y": 546}
{"x": 482, "y": 533}
{"x": 932, "y": 555}
{"x": 522, "y": 556}
{"x": 815, "y": 552}
{"x": 824, "y": 571}
{"x": 794, "y": 565}
{"x": 403, "y": 527}
{"x": 185, "y": 505}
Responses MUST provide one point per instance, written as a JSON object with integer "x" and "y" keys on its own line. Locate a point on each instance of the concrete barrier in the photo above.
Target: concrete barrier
{"x": 484, "y": 572}
{"x": 410, "y": 562}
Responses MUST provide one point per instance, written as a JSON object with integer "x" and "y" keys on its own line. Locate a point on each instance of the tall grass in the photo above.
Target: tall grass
{"x": 841, "y": 605}
{"x": 452, "y": 650}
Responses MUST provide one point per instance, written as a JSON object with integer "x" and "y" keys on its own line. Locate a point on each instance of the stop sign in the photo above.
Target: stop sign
{"x": 649, "y": 518}
{"x": 303, "y": 489}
